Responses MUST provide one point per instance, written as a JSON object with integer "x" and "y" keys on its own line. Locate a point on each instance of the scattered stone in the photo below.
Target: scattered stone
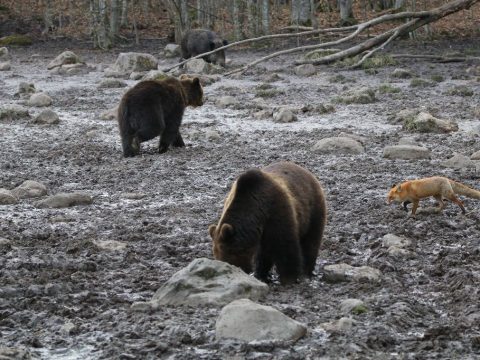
{"x": 39, "y": 100}
{"x": 247, "y": 321}
{"x": 284, "y": 116}
{"x": 110, "y": 245}
{"x": 344, "y": 272}
{"x": 110, "y": 114}
{"x": 5, "y": 66}
{"x": 305, "y": 70}
{"x": 111, "y": 73}
{"x": 7, "y": 197}
{"x": 394, "y": 240}
{"x": 324, "y": 108}
{"x": 197, "y": 66}
{"x": 406, "y": 152}
{"x": 13, "y": 353}
{"x": 361, "y": 139}
{"x": 155, "y": 75}
{"x": 226, "y": 101}
{"x": 398, "y": 252}
{"x": 13, "y": 112}
{"x": 171, "y": 50}
{"x": 110, "y": 83}
{"x": 407, "y": 140}
{"x": 355, "y": 306}
{"x": 68, "y": 328}
{"x": 341, "y": 325}
{"x": 52, "y": 289}
{"x": 71, "y": 69}
{"x": 63, "y": 200}
{"x": 5, "y": 244}
{"x": 212, "y": 135}
{"x": 272, "y": 78}
{"x": 338, "y": 145}
{"x": 475, "y": 155}
{"x": 208, "y": 282}
{"x": 136, "y": 75}
{"x": 30, "y": 189}
{"x": 360, "y": 96}
{"x": 425, "y": 122}
{"x": 134, "y": 196}
{"x": 402, "y": 73}
{"x": 403, "y": 116}
{"x": 458, "y": 161}
{"x": 263, "y": 114}
{"x": 4, "y": 54}
{"x": 129, "y": 62}
{"x": 66, "y": 57}
{"x": 47, "y": 117}
{"x": 25, "y": 90}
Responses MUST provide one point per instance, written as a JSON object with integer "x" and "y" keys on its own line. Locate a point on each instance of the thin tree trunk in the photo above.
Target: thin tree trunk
{"x": 114, "y": 18}
{"x": 266, "y": 17}
{"x": 124, "y": 16}
{"x": 237, "y": 34}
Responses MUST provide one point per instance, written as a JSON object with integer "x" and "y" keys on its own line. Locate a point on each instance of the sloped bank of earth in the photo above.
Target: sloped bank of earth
{"x": 67, "y": 286}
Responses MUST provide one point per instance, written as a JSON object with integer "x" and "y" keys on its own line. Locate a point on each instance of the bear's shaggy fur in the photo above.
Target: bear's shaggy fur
{"x": 272, "y": 216}
{"x": 199, "y": 41}
{"x": 152, "y": 108}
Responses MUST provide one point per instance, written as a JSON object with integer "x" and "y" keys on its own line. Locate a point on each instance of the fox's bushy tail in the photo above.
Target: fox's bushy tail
{"x": 464, "y": 190}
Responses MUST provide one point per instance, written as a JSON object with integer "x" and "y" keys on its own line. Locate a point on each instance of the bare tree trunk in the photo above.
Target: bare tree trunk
{"x": 252, "y": 28}
{"x": 301, "y": 13}
{"x": 266, "y": 17}
{"x": 48, "y": 17}
{"x": 124, "y": 16}
{"x": 237, "y": 34}
{"x": 114, "y": 18}
{"x": 346, "y": 13}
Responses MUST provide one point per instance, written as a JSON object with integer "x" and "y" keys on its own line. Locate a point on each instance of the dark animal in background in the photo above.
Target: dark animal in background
{"x": 199, "y": 41}
{"x": 272, "y": 216}
{"x": 155, "y": 108}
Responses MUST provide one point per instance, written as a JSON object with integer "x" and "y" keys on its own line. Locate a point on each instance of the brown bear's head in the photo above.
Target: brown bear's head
{"x": 193, "y": 90}
{"x": 225, "y": 248}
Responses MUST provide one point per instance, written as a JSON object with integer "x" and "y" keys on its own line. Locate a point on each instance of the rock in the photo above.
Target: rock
{"x": 25, "y": 90}
{"x": 208, "y": 282}
{"x": 30, "y": 189}
{"x": 344, "y": 272}
{"x": 112, "y": 73}
{"x": 110, "y": 245}
{"x": 39, "y": 100}
{"x": 263, "y": 114}
{"x": 47, "y": 117}
{"x": 226, "y": 101}
{"x": 4, "y": 55}
{"x": 172, "y": 50}
{"x": 212, "y": 135}
{"x": 136, "y": 75}
{"x": 131, "y": 61}
{"x": 425, "y": 122}
{"x": 305, "y": 70}
{"x": 458, "y": 161}
{"x": 284, "y": 116}
{"x": 406, "y": 140}
{"x": 324, "y": 108}
{"x": 361, "y": 139}
{"x": 247, "y": 321}
{"x": 110, "y": 83}
{"x": 339, "y": 326}
{"x": 406, "y": 152}
{"x": 354, "y": 306}
{"x": 359, "y": 96}
{"x": 71, "y": 69}
{"x": 398, "y": 252}
{"x": 403, "y": 116}
{"x": 68, "y": 328}
{"x": 5, "y": 244}
{"x": 155, "y": 75}
{"x": 394, "y": 240}
{"x": 66, "y": 57}
{"x": 52, "y": 289}
{"x": 63, "y": 200}
{"x": 134, "y": 196}
{"x": 13, "y": 112}
{"x": 110, "y": 114}
{"x": 197, "y": 66}
{"x": 14, "y": 353}
{"x": 338, "y": 145}
{"x": 402, "y": 73}
{"x": 7, "y": 197}
{"x": 5, "y": 66}
{"x": 475, "y": 155}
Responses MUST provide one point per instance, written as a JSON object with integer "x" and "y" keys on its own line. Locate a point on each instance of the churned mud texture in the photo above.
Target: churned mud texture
{"x": 69, "y": 276}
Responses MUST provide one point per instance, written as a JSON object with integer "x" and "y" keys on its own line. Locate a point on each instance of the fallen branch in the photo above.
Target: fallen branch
{"x": 439, "y": 58}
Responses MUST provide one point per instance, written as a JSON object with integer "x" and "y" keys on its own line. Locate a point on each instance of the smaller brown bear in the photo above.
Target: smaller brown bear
{"x": 272, "y": 216}
{"x": 155, "y": 108}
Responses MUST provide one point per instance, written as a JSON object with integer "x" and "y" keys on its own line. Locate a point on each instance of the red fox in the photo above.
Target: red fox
{"x": 438, "y": 187}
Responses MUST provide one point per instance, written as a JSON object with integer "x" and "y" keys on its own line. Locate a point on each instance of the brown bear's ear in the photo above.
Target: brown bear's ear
{"x": 196, "y": 81}
{"x": 211, "y": 230}
{"x": 226, "y": 232}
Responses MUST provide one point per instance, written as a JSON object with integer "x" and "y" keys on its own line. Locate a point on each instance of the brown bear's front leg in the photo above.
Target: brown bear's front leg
{"x": 263, "y": 265}
{"x": 179, "y": 141}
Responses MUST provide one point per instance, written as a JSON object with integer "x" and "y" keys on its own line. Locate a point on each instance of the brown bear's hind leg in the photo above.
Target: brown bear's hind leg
{"x": 168, "y": 137}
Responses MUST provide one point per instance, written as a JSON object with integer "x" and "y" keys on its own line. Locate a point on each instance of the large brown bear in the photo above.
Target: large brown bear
{"x": 152, "y": 108}
{"x": 272, "y": 216}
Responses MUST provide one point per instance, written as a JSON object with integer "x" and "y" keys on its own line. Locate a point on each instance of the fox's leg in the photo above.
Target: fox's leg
{"x": 405, "y": 203}
{"x": 454, "y": 199}
{"x": 415, "y": 207}
{"x": 441, "y": 204}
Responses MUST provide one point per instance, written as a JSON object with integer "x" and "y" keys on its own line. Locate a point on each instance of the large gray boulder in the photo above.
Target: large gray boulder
{"x": 425, "y": 122}
{"x": 5, "y": 65}
{"x": 63, "y": 200}
{"x": 39, "y": 100}
{"x": 247, "y": 321}
{"x": 344, "y": 272}
{"x": 172, "y": 50}
{"x": 30, "y": 189}
{"x": 47, "y": 117}
{"x": 305, "y": 70}
{"x": 65, "y": 58}
{"x": 338, "y": 145}
{"x": 459, "y": 161}
{"x": 406, "y": 152}
{"x": 13, "y": 112}
{"x": 131, "y": 61}
{"x": 4, "y": 55}
{"x": 7, "y": 197}
{"x": 284, "y": 116}
{"x": 208, "y": 282}
{"x": 475, "y": 155}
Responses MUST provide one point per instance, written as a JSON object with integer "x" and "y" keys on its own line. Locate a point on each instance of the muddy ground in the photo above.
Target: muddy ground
{"x": 62, "y": 297}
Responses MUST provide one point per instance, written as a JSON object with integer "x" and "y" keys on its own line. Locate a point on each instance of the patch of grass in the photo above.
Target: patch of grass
{"x": 460, "y": 90}
{"x": 264, "y": 87}
{"x": 388, "y": 89}
{"x": 268, "y": 93}
{"x": 16, "y": 39}
{"x": 409, "y": 124}
{"x": 317, "y": 54}
{"x": 437, "y": 78}
{"x": 341, "y": 79}
{"x": 364, "y": 96}
{"x": 371, "y": 71}
{"x": 3, "y": 8}
{"x": 359, "y": 309}
{"x": 419, "y": 82}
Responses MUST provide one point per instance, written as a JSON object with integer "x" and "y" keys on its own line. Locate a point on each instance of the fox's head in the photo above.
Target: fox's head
{"x": 395, "y": 194}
